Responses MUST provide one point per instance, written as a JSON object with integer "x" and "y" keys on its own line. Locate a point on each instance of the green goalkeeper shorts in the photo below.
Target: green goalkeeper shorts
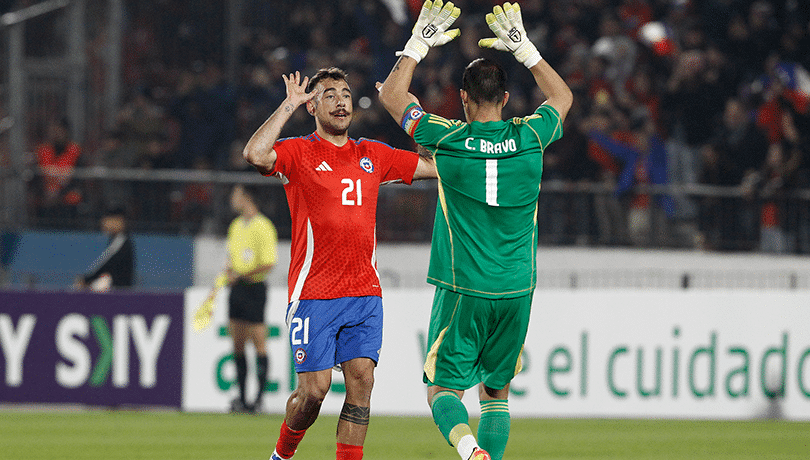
{"x": 474, "y": 339}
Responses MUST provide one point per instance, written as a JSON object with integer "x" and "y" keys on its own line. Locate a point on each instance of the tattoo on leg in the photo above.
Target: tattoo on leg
{"x": 355, "y": 414}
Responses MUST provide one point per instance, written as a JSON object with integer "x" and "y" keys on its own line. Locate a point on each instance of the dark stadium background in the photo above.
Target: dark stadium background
{"x": 181, "y": 85}
{"x": 684, "y": 168}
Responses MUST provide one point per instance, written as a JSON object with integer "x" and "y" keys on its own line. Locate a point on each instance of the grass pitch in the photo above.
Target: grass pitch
{"x": 113, "y": 435}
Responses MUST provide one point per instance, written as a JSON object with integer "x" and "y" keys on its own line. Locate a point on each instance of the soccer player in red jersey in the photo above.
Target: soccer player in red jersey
{"x": 335, "y": 306}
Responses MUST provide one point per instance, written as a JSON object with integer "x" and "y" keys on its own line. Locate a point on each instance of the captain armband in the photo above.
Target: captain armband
{"x": 410, "y": 119}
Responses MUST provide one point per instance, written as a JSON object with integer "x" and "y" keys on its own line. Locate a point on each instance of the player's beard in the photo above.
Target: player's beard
{"x": 336, "y": 126}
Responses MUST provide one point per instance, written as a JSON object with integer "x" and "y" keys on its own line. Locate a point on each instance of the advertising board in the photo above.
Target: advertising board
{"x": 109, "y": 349}
{"x": 662, "y": 354}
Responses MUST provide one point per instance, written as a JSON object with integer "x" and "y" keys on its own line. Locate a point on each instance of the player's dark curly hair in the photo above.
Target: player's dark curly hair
{"x": 331, "y": 73}
{"x": 484, "y": 81}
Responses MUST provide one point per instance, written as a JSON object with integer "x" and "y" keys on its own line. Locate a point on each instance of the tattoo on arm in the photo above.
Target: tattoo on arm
{"x": 424, "y": 152}
{"x": 355, "y": 414}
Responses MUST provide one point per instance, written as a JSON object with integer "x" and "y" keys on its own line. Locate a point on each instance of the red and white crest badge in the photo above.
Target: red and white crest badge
{"x": 367, "y": 165}
{"x": 300, "y": 356}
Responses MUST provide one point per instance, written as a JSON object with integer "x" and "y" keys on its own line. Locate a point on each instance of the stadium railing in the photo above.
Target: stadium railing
{"x": 191, "y": 202}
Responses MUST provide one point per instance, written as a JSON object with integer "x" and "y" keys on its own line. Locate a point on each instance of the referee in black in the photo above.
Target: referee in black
{"x": 252, "y": 253}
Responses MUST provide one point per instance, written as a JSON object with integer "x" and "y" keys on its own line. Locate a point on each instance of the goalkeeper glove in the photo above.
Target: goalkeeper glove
{"x": 507, "y": 23}
{"x": 431, "y": 29}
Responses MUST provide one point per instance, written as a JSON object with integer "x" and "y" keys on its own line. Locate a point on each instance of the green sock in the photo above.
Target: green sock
{"x": 493, "y": 428}
{"x": 450, "y": 415}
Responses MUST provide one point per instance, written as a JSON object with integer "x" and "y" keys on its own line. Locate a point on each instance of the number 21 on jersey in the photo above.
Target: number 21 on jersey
{"x": 352, "y": 193}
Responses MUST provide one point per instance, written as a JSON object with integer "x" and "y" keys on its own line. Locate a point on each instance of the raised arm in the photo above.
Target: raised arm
{"x": 510, "y": 35}
{"x": 394, "y": 94}
{"x": 558, "y": 94}
{"x": 259, "y": 149}
{"x": 426, "y": 168}
{"x": 430, "y": 30}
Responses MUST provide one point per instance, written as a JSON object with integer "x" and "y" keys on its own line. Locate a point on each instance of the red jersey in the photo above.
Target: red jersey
{"x": 57, "y": 165}
{"x": 332, "y": 193}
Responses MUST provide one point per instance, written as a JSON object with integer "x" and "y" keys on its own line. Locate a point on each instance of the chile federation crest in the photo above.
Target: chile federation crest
{"x": 367, "y": 165}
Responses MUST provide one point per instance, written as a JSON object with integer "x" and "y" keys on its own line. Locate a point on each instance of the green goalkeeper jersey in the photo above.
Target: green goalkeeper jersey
{"x": 485, "y": 232}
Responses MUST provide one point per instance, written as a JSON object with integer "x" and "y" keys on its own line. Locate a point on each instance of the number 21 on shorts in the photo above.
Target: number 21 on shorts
{"x": 297, "y": 326}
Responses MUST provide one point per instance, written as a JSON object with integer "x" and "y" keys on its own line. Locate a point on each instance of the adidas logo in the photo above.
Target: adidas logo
{"x": 323, "y": 167}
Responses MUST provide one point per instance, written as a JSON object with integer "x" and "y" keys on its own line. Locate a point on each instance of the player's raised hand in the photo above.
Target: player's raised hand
{"x": 431, "y": 29}
{"x": 507, "y": 23}
{"x": 297, "y": 88}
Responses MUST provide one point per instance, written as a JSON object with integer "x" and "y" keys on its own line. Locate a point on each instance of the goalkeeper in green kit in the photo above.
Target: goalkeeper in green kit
{"x": 483, "y": 254}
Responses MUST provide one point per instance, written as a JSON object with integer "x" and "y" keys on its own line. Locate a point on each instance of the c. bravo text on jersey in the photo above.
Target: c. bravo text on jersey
{"x": 485, "y": 146}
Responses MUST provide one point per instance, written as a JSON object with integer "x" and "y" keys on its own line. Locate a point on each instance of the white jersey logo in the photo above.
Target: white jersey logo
{"x": 323, "y": 167}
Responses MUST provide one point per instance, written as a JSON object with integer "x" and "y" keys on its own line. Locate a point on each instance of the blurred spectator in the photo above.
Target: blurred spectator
{"x": 716, "y": 214}
{"x": 784, "y": 87}
{"x": 149, "y": 139}
{"x": 145, "y": 132}
{"x": 779, "y": 177}
{"x": 258, "y": 91}
{"x": 747, "y": 148}
{"x": 690, "y": 105}
{"x": 742, "y": 140}
{"x": 193, "y": 206}
{"x": 184, "y": 114}
{"x": 617, "y": 50}
{"x": 634, "y": 14}
{"x": 58, "y": 196}
{"x": 643, "y": 157}
{"x": 205, "y": 108}
{"x": 797, "y": 142}
{"x": 610, "y": 214}
{"x": 114, "y": 153}
{"x": 772, "y": 183}
{"x": 642, "y": 98}
{"x": 763, "y": 32}
{"x": 569, "y": 213}
{"x": 441, "y": 95}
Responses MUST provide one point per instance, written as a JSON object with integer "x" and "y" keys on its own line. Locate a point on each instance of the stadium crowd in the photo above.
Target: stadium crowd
{"x": 720, "y": 96}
